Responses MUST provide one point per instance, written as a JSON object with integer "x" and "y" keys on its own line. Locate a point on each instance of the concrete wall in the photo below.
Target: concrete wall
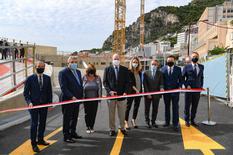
{"x": 61, "y": 61}
{"x": 47, "y": 50}
{"x": 14, "y": 100}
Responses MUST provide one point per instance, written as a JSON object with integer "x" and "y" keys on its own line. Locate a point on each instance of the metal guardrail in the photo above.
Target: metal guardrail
{"x": 15, "y": 72}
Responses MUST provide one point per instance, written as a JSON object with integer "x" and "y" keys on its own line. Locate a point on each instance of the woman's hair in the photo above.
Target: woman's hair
{"x": 89, "y": 68}
{"x": 138, "y": 68}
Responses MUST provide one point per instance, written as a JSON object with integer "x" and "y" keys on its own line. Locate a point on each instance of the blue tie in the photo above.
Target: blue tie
{"x": 116, "y": 72}
{"x": 76, "y": 76}
{"x": 153, "y": 73}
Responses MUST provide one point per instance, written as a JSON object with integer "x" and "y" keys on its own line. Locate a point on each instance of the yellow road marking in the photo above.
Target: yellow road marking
{"x": 26, "y": 148}
{"x": 118, "y": 144}
{"x": 195, "y": 140}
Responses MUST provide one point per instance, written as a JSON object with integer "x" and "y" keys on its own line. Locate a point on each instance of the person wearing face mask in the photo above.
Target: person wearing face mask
{"x": 135, "y": 80}
{"x": 193, "y": 75}
{"x": 116, "y": 82}
{"x": 152, "y": 81}
{"x": 172, "y": 78}
{"x": 92, "y": 87}
{"x": 37, "y": 91}
{"x": 71, "y": 84}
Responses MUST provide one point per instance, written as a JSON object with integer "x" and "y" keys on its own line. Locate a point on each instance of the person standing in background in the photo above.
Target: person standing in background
{"x": 22, "y": 52}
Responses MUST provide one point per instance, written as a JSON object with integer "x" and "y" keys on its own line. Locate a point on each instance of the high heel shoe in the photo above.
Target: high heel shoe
{"x": 127, "y": 125}
{"x": 134, "y": 124}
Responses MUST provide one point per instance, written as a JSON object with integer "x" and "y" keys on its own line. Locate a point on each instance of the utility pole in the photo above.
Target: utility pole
{"x": 189, "y": 33}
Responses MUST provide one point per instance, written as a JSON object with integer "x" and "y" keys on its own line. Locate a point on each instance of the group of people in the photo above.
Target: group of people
{"x": 10, "y": 53}
{"x": 118, "y": 80}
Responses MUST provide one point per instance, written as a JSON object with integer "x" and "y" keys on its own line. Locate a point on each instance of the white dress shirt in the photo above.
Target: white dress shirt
{"x": 170, "y": 69}
{"x": 197, "y": 67}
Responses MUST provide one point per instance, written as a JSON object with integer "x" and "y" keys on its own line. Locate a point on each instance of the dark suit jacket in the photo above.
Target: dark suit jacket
{"x": 191, "y": 79}
{"x": 153, "y": 84}
{"x": 69, "y": 85}
{"x": 110, "y": 83}
{"x": 132, "y": 82}
{"x": 32, "y": 92}
{"x": 175, "y": 80}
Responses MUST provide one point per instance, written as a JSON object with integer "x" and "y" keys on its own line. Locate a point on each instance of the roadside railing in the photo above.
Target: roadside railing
{"x": 20, "y": 68}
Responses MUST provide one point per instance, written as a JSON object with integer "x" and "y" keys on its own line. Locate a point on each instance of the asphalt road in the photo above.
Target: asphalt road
{"x": 138, "y": 141}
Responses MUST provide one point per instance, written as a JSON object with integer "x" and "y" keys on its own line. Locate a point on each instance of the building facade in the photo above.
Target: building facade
{"x": 214, "y": 32}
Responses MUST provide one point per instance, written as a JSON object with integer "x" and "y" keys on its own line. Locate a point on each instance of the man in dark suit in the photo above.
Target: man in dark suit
{"x": 172, "y": 80}
{"x": 22, "y": 52}
{"x": 152, "y": 81}
{"x": 37, "y": 91}
{"x": 1, "y": 50}
{"x": 72, "y": 89}
{"x": 116, "y": 82}
{"x": 5, "y": 50}
{"x": 193, "y": 78}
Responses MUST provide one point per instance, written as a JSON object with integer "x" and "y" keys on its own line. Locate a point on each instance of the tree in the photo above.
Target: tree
{"x": 217, "y": 51}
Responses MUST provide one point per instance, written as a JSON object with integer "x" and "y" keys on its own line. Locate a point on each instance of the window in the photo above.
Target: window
{"x": 103, "y": 63}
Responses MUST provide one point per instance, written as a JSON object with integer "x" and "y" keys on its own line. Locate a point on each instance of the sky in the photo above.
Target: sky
{"x": 70, "y": 25}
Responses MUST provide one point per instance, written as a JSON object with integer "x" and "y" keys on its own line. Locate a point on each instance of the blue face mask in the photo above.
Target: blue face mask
{"x": 73, "y": 66}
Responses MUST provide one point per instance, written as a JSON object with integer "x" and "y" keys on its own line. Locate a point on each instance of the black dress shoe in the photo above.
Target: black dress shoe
{"x": 69, "y": 140}
{"x": 128, "y": 128}
{"x": 35, "y": 148}
{"x": 112, "y": 133}
{"x": 187, "y": 124}
{"x": 194, "y": 124}
{"x": 123, "y": 132}
{"x": 76, "y": 136}
{"x": 155, "y": 125}
{"x": 166, "y": 125}
{"x": 176, "y": 128}
{"x": 42, "y": 142}
{"x": 148, "y": 125}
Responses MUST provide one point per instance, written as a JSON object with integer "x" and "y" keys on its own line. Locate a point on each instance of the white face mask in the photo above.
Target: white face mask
{"x": 116, "y": 62}
{"x": 153, "y": 67}
{"x": 134, "y": 65}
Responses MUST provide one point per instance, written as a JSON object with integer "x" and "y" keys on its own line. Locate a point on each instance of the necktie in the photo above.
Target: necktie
{"x": 195, "y": 69}
{"x": 153, "y": 74}
{"x": 170, "y": 71}
{"x": 116, "y": 72}
{"x": 40, "y": 82}
{"x": 77, "y": 78}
